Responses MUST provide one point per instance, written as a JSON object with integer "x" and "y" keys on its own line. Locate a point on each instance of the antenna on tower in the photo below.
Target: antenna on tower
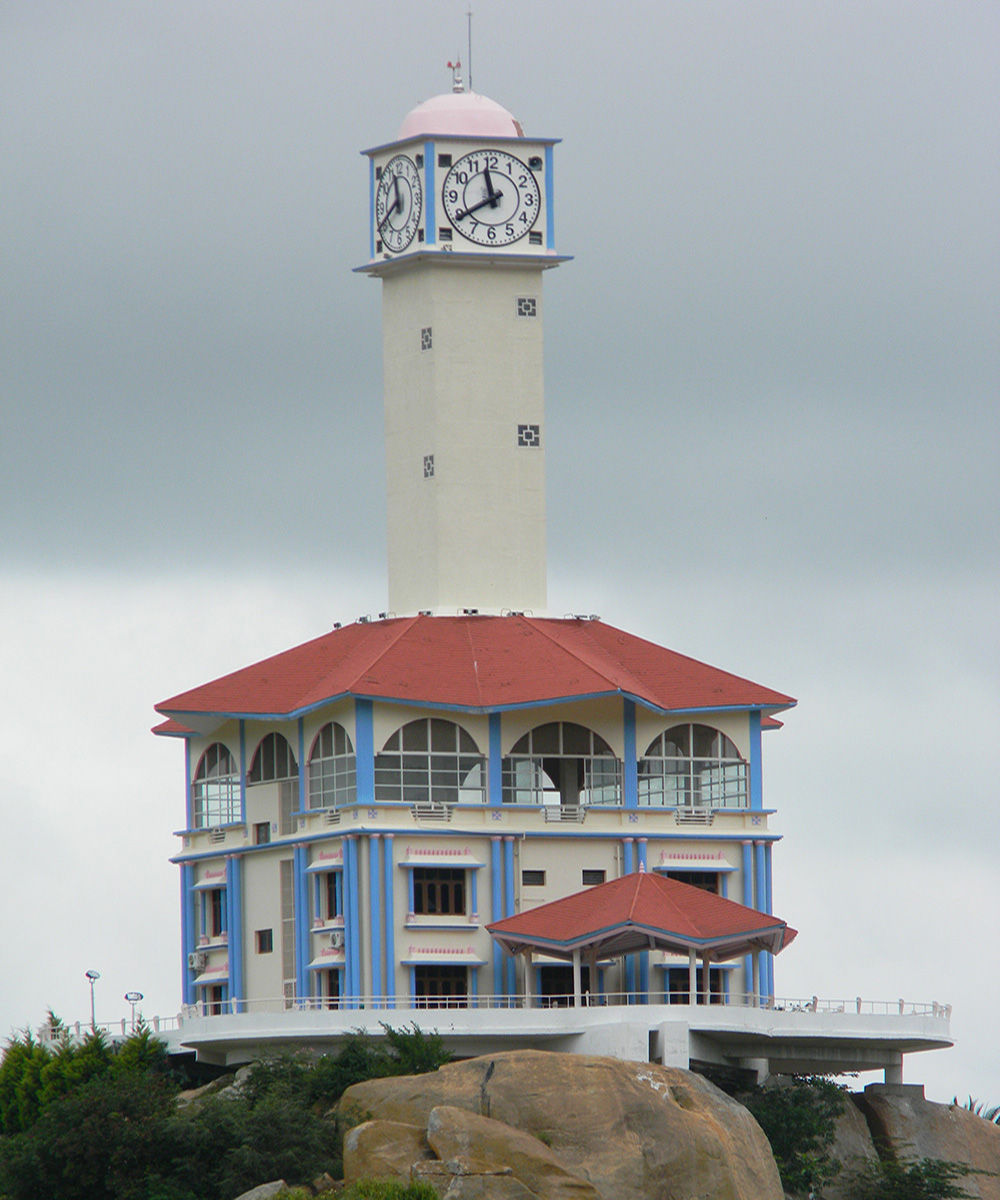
{"x": 456, "y": 75}
{"x": 469, "y": 59}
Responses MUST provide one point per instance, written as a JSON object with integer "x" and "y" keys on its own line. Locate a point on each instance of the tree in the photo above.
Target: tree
{"x": 799, "y": 1119}
{"x": 924, "y": 1179}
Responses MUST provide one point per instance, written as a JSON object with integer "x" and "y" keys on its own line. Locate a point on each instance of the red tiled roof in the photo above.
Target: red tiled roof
{"x": 641, "y": 910}
{"x": 171, "y": 728}
{"x": 475, "y": 662}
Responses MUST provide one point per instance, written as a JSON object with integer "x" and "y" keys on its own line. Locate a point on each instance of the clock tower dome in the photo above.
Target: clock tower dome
{"x": 462, "y": 227}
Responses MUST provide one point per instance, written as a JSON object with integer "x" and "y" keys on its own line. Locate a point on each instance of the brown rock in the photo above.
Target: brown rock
{"x": 482, "y": 1146}
{"x": 635, "y": 1131}
{"x": 383, "y": 1150}
{"x": 852, "y": 1148}
{"x": 909, "y": 1126}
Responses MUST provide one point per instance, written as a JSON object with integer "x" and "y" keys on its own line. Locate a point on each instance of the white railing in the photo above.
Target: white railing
{"x": 384, "y": 1004}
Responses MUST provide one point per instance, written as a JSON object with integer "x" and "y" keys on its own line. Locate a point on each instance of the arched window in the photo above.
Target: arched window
{"x": 430, "y": 760}
{"x": 692, "y": 766}
{"x": 273, "y": 760}
{"x": 561, "y": 763}
{"x": 216, "y": 788}
{"x": 332, "y": 768}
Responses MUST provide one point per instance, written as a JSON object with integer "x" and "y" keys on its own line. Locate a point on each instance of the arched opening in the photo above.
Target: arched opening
{"x": 332, "y": 768}
{"x": 430, "y": 760}
{"x": 216, "y": 789}
{"x": 693, "y": 766}
{"x": 272, "y": 760}
{"x": 562, "y": 764}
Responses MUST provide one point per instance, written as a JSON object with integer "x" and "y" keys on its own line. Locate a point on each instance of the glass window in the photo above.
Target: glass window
{"x": 430, "y": 760}
{"x": 216, "y": 789}
{"x": 440, "y": 985}
{"x": 439, "y": 891}
{"x": 272, "y": 760}
{"x": 712, "y": 776}
{"x": 333, "y": 778}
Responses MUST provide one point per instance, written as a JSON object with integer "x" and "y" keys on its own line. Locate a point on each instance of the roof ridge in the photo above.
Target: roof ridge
{"x": 530, "y": 622}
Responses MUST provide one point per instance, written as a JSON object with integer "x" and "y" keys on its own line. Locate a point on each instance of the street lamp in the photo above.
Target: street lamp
{"x": 133, "y": 998}
{"x": 93, "y": 976}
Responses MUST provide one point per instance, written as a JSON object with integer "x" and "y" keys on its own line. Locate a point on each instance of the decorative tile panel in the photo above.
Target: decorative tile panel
{"x": 529, "y": 435}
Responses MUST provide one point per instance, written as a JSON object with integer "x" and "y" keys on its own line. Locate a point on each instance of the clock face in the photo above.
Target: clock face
{"x": 399, "y": 201}
{"x": 491, "y": 197}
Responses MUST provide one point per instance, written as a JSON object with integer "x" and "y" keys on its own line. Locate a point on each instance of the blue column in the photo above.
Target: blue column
{"x": 189, "y": 937}
{"x": 234, "y": 923}
{"x": 390, "y": 925}
{"x": 769, "y": 957}
{"x": 748, "y": 902}
{"x": 430, "y": 196}
{"x": 371, "y": 207}
{"x": 302, "y": 764}
{"x": 629, "y": 958}
{"x": 508, "y": 872}
{"x": 353, "y": 883}
{"x": 474, "y": 897}
{"x": 760, "y": 903}
{"x": 495, "y": 765}
{"x": 496, "y": 881}
{"x": 630, "y": 766}
{"x": 243, "y": 770}
{"x": 364, "y": 749}
{"x": 473, "y": 983}
{"x": 301, "y": 892}
{"x": 188, "y": 797}
{"x": 756, "y": 779}
{"x": 375, "y": 910}
{"x": 644, "y": 955}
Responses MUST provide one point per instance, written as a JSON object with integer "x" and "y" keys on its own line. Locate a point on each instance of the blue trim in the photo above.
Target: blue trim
{"x": 769, "y": 957}
{"x": 243, "y": 772}
{"x": 495, "y": 765}
{"x": 234, "y": 906}
{"x": 188, "y": 793}
{"x": 630, "y": 779}
{"x": 627, "y": 862}
{"x": 302, "y": 764}
{"x": 375, "y": 910}
{"x": 508, "y": 873}
{"x": 413, "y": 983}
{"x": 472, "y": 138}
{"x": 627, "y": 855}
{"x": 371, "y": 208}
{"x": 352, "y": 921}
{"x": 550, "y": 201}
{"x": 410, "y": 901}
{"x": 474, "y": 989}
{"x": 496, "y": 881}
{"x": 338, "y": 893}
{"x": 756, "y": 784}
{"x": 364, "y": 750}
{"x": 641, "y": 843}
{"x": 390, "y": 920}
{"x": 189, "y": 937}
{"x": 748, "y": 903}
{"x": 430, "y": 197}
{"x": 644, "y": 977}
{"x": 301, "y": 909}
{"x": 474, "y": 898}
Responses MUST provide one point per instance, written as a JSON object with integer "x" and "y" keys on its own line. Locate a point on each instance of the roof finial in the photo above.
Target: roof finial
{"x": 456, "y": 76}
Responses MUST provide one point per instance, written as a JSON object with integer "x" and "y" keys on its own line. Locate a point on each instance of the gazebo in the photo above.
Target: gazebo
{"x": 643, "y": 911}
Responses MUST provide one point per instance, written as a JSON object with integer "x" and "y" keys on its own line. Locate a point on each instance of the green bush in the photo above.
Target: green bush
{"x": 925, "y": 1179}
{"x": 799, "y": 1119}
{"x": 382, "y": 1189}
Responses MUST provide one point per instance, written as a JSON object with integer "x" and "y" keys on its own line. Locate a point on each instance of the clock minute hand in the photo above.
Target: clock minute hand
{"x": 491, "y": 200}
{"x": 493, "y": 195}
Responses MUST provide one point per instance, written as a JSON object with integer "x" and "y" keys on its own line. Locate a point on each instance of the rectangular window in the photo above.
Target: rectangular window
{"x": 439, "y": 891}
{"x": 708, "y": 881}
{"x": 439, "y": 985}
{"x": 332, "y": 896}
{"x": 592, "y": 878}
{"x": 265, "y": 941}
{"x": 262, "y": 833}
{"x": 214, "y": 905}
{"x": 330, "y": 985}
{"x": 533, "y": 879}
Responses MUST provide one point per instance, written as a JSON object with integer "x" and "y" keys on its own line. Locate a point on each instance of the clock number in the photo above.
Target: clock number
{"x": 509, "y": 229}
{"x": 491, "y": 232}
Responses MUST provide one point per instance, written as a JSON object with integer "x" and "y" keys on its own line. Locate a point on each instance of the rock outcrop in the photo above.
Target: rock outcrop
{"x": 906, "y": 1125}
{"x": 630, "y": 1131}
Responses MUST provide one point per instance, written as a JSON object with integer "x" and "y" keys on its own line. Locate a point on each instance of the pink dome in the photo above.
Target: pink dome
{"x": 460, "y": 114}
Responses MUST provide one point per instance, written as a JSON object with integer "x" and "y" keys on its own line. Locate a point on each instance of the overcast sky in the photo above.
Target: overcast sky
{"x": 772, "y": 385}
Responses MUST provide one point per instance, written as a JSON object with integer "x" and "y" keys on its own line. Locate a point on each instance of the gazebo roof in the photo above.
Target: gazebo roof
{"x": 642, "y": 911}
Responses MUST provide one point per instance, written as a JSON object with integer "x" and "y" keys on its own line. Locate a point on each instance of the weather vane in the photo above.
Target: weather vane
{"x": 456, "y": 66}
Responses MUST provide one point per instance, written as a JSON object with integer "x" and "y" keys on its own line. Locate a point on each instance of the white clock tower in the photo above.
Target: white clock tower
{"x": 461, "y": 229}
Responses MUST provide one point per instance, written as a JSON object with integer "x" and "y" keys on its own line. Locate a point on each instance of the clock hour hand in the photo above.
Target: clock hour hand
{"x": 493, "y": 196}
{"x": 491, "y": 200}
{"x": 396, "y": 203}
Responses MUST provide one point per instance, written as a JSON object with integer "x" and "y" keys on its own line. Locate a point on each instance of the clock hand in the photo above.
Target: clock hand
{"x": 392, "y": 207}
{"x": 491, "y": 200}
{"x": 493, "y": 196}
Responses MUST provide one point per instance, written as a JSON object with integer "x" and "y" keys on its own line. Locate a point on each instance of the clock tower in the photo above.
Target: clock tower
{"x": 461, "y": 209}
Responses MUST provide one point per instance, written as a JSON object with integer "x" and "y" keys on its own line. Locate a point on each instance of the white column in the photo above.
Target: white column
{"x": 755, "y": 990}
{"x": 692, "y": 976}
{"x": 529, "y": 1001}
{"x": 706, "y": 989}
{"x": 894, "y": 1073}
{"x": 577, "y": 997}
{"x": 592, "y": 963}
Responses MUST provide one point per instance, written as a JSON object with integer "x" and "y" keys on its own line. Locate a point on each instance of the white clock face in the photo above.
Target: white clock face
{"x": 399, "y": 201}
{"x": 491, "y": 197}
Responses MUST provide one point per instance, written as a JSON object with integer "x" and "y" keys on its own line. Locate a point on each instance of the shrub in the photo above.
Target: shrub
{"x": 799, "y": 1119}
{"x": 925, "y": 1179}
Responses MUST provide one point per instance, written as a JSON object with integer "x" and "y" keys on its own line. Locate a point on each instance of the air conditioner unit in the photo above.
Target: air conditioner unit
{"x": 197, "y": 961}
{"x": 337, "y": 940}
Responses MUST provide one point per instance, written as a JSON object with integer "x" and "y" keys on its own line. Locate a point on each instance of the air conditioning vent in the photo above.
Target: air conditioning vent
{"x": 197, "y": 960}
{"x": 337, "y": 940}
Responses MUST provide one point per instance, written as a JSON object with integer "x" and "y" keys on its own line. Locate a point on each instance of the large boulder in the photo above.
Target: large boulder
{"x": 385, "y": 1149}
{"x": 852, "y": 1148}
{"x": 634, "y": 1131}
{"x": 906, "y": 1125}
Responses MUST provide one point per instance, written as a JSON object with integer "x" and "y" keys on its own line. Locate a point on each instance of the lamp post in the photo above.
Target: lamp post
{"x": 133, "y": 998}
{"x": 93, "y": 976}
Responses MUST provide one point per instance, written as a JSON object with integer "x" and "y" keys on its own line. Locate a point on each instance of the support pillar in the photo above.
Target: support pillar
{"x": 529, "y": 999}
{"x": 577, "y": 988}
{"x": 706, "y": 984}
{"x": 755, "y": 997}
{"x": 692, "y": 976}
